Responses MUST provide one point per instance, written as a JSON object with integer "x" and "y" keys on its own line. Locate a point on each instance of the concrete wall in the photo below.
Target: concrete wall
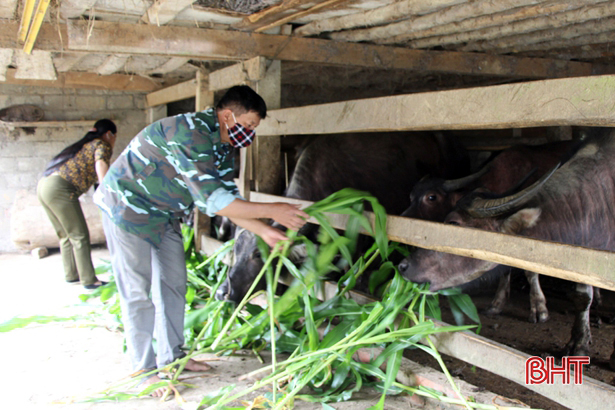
{"x": 25, "y": 152}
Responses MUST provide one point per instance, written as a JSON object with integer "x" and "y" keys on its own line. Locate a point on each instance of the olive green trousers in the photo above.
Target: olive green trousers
{"x": 60, "y": 200}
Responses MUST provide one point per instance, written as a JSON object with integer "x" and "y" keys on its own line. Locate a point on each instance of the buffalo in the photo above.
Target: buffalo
{"x": 433, "y": 198}
{"x": 387, "y": 166}
{"x": 571, "y": 206}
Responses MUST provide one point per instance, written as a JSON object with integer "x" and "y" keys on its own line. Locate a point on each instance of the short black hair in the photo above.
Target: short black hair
{"x": 242, "y": 99}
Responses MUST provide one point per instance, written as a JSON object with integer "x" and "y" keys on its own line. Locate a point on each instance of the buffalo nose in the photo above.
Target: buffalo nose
{"x": 221, "y": 294}
{"x": 403, "y": 266}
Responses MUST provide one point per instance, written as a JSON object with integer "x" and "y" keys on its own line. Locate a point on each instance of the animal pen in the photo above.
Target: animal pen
{"x": 575, "y": 93}
{"x": 578, "y": 101}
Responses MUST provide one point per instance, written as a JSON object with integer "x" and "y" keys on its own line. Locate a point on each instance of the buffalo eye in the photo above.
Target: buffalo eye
{"x": 256, "y": 255}
{"x": 432, "y": 197}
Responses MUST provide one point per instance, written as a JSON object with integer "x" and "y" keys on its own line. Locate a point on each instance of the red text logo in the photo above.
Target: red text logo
{"x": 538, "y": 371}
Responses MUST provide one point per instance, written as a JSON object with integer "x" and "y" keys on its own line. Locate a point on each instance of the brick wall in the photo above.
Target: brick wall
{"x": 25, "y": 152}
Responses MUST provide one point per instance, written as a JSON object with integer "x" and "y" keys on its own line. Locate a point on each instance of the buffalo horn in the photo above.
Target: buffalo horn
{"x": 452, "y": 185}
{"x": 486, "y": 208}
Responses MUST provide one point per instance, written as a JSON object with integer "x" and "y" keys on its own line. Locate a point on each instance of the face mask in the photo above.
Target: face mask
{"x": 239, "y": 135}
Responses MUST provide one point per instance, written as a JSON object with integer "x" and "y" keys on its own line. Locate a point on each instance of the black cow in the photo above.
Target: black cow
{"x": 433, "y": 198}
{"x": 385, "y": 165}
{"x": 573, "y": 206}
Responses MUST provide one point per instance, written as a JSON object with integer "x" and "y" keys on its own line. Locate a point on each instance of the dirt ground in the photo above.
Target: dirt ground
{"x": 56, "y": 365}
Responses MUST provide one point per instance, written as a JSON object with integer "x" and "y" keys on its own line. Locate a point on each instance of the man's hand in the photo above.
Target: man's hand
{"x": 289, "y": 215}
{"x": 272, "y": 236}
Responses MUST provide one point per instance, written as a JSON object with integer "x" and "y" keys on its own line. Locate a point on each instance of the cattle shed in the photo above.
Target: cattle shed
{"x": 494, "y": 73}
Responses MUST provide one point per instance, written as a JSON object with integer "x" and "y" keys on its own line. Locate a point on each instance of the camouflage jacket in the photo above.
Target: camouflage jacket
{"x": 168, "y": 168}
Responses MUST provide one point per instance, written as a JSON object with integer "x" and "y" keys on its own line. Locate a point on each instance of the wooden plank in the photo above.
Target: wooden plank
{"x": 573, "y": 263}
{"x": 6, "y": 58}
{"x": 271, "y": 14}
{"x": 112, "y": 64}
{"x": 572, "y": 38}
{"x": 8, "y": 9}
{"x": 51, "y": 37}
{"x": 570, "y": 101}
{"x": 35, "y": 66}
{"x": 241, "y": 73}
{"x": 470, "y": 28}
{"x": 510, "y": 363}
{"x": 299, "y": 14}
{"x": 379, "y": 16}
{"x": 90, "y": 81}
{"x": 501, "y": 360}
{"x": 70, "y": 9}
{"x": 455, "y": 13}
{"x": 175, "y": 92}
{"x": 204, "y": 97}
{"x": 267, "y": 148}
{"x": 50, "y": 124}
{"x": 171, "y": 64}
{"x": 213, "y": 44}
{"x": 560, "y": 26}
{"x": 163, "y": 11}
{"x": 209, "y": 245}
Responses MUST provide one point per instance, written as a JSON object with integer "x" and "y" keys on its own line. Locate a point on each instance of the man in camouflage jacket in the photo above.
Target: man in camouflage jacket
{"x": 171, "y": 166}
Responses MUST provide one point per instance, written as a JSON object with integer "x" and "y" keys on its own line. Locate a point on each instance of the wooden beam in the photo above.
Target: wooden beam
{"x": 8, "y": 9}
{"x": 544, "y": 29}
{"x": 70, "y": 9}
{"x": 583, "y": 265}
{"x": 299, "y": 14}
{"x": 449, "y": 15}
{"x": 568, "y": 39}
{"x": 272, "y": 14}
{"x": 379, "y": 16}
{"x": 175, "y": 92}
{"x": 241, "y": 73}
{"x": 35, "y": 66}
{"x": 51, "y": 37}
{"x": 498, "y": 359}
{"x": 171, "y": 64}
{"x": 50, "y": 124}
{"x": 267, "y": 148}
{"x": 112, "y": 64}
{"x": 472, "y": 28}
{"x": 204, "y": 97}
{"x": 569, "y": 101}
{"x": 6, "y": 58}
{"x": 89, "y": 80}
{"x": 163, "y": 11}
{"x": 213, "y": 44}
{"x": 208, "y": 246}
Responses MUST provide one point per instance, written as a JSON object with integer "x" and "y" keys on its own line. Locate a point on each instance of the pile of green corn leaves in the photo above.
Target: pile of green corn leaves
{"x": 318, "y": 368}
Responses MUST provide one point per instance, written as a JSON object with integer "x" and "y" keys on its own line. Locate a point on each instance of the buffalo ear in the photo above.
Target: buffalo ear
{"x": 520, "y": 220}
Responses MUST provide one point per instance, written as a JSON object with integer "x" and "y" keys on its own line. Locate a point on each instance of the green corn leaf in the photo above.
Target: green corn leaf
{"x": 463, "y": 303}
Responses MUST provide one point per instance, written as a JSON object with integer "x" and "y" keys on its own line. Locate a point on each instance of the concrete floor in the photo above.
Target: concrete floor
{"x": 57, "y": 365}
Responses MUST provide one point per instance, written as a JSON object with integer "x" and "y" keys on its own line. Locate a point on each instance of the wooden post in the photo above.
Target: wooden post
{"x": 267, "y": 153}
{"x": 156, "y": 113}
{"x": 204, "y": 99}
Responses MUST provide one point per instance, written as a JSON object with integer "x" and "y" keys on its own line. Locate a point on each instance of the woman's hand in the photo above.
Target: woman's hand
{"x": 289, "y": 215}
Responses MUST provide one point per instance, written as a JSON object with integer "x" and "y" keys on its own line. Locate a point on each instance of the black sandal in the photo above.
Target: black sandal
{"x": 94, "y": 285}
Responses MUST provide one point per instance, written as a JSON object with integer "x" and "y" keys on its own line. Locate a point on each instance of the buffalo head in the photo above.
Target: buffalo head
{"x": 480, "y": 211}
